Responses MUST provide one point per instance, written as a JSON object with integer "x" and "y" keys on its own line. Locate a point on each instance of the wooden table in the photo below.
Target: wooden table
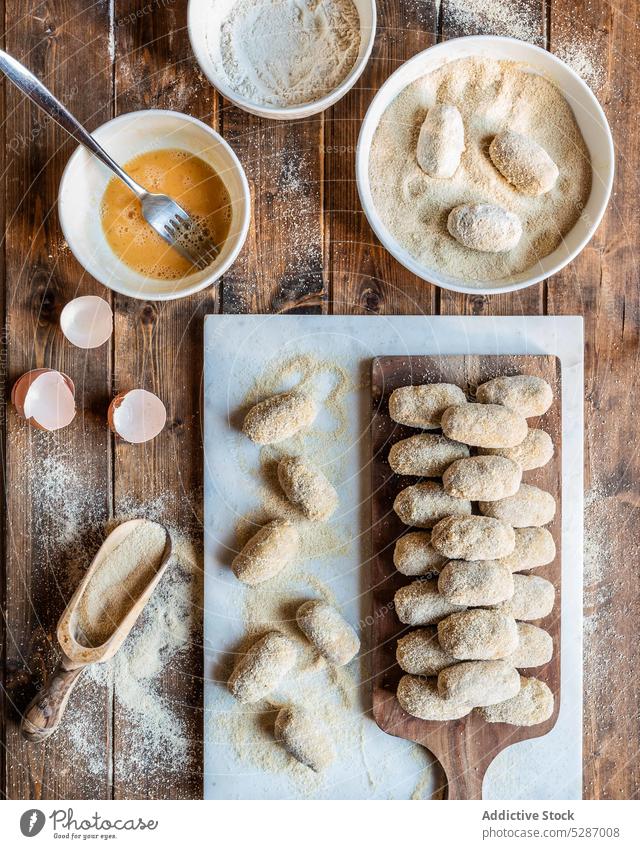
{"x": 310, "y": 249}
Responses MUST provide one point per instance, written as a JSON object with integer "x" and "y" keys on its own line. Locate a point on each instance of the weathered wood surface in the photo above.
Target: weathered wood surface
{"x": 108, "y": 57}
{"x": 41, "y": 275}
{"x": 602, "y": 285}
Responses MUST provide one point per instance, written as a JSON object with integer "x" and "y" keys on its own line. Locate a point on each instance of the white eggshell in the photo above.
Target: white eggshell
{"x": 49, "y": 401}
{"x": 137, "y": 416}
{"x": 87, "y": 322}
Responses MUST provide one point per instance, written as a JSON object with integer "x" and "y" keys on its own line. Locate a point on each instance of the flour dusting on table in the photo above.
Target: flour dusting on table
{"x": 70, "y": 525}
{"x": 338, "y": 698}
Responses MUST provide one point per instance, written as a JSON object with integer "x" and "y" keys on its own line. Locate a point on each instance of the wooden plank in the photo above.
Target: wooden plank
{"x": 4, "y": 705}
{"x": 158, "y": 346}
{"x": 52, "y": 481}
{"x": 281, "y": 268}
{"x": 528, "y": 22}
{"x": 466, "y": 747}
{"x": 602, "y": 285}
{"x": 364, "y": 277}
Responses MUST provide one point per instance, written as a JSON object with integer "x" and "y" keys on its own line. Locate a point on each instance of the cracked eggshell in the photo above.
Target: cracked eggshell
{"x": 87, "y": 322}
{"x": 137, "y": 415}
{"x": 45, "y": 398}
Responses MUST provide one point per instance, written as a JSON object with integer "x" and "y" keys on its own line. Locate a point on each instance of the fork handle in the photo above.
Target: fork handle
{"x": 42, "y": 97}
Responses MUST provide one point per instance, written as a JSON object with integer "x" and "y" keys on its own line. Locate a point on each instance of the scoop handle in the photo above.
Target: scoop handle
{"x": 44, "y": 714}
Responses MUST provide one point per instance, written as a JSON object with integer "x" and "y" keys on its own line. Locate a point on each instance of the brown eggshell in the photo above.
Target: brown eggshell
{"x": 21, "y": 388}
{"x": 113, "y": 406}
{"x": 149, "y": 420}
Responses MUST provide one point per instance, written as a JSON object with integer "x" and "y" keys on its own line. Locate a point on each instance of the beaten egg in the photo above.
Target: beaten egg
{"x": 185, "y": 178}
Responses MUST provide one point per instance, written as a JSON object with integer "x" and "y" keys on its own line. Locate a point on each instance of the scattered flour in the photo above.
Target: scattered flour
{"x": 70, "y": 525}
{"x": 515, "y": 18}
{"x": 154, "y": 731}
{"x": 585, "y": 59}
{"x": 522, "y": 19}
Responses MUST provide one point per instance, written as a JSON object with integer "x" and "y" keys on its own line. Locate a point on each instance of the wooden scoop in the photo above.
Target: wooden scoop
{"x": 44, "y": 714}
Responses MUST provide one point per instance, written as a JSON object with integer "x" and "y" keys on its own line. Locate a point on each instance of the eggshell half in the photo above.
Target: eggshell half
{"x": 87, "y": 322}
{"x": 45, "y": 398}
{"x": 137, "y": 416}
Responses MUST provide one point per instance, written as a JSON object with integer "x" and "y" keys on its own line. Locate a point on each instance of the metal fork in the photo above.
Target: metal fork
{"x": 168, "y": 218}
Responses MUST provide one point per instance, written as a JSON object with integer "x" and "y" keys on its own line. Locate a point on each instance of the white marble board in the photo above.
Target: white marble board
{"x": 239, "y": 350}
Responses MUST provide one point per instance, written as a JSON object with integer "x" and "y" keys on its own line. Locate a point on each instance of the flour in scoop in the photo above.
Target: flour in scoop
{"x": 288, "y": 52}
{"x": 118, "y": 583}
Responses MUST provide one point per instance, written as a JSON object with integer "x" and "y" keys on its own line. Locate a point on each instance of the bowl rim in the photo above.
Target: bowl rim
{"x": 301, "y": 110}
{"x": 66, "y": 224}
{"x": 389, "y": 242}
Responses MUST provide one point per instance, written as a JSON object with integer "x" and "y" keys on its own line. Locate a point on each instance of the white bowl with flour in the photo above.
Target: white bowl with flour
{"x": 282, "y": 59}
{"x": 591, "y": 123}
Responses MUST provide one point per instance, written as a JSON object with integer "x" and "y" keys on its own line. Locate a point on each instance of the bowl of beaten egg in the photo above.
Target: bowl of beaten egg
{"x": 165, "y": 152}
{"x": 428, "y": 216}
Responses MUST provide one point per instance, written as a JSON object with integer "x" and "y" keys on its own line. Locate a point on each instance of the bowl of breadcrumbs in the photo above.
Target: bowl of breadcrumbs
{"x": 484, "y": 164}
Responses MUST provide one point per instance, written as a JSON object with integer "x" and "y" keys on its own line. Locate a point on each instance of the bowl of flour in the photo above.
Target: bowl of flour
{"x": 497, "y": 84}
{"x": 282, "y": 59}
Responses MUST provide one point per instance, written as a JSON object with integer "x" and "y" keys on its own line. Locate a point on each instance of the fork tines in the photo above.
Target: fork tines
{"x": 192, "y": 241}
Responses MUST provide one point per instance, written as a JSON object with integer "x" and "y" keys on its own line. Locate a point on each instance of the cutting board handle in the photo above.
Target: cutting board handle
{"x": 44, "y": 714}
{"x": 464, "y": 778}
{"x": 465, "y": 785}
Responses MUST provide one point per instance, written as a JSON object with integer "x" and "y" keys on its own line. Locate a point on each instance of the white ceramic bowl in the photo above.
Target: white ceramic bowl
{"x": 588, "y": 113}
{"x": 204, "y": 18}
{"x": 85, "y": 179}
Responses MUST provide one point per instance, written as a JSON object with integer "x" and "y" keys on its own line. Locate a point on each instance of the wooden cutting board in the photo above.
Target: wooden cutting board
{"x": 464, "y": 747}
